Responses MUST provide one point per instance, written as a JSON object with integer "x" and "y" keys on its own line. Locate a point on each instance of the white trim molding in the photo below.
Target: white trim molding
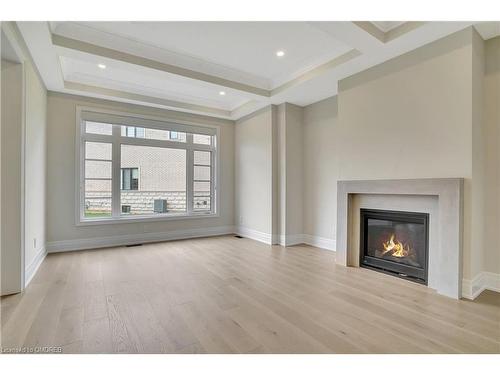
{"x": 132, "y": 239}
{"x": 34, "y": 265}
{"x": 291, "y": 239}
{"x": 321, "y": 242}
{"x": 256, "y": 235}
{"x": 119, "y": 119}
{"x": 287, "y": 240}
{"x": 482, "y": 281}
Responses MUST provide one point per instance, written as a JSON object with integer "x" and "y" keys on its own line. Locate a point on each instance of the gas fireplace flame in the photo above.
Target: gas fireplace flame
{"x": 396, "y": 248}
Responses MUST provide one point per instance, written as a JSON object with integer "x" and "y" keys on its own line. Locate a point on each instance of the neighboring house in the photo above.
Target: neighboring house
{"x": 147, "y": 174}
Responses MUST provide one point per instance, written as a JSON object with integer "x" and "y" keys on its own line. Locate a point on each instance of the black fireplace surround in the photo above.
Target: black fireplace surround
{"x": 395, "y": 242}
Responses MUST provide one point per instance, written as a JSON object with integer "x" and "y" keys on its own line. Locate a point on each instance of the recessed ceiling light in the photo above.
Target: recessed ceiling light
{"x": 222, "y": 93}
{"x": 280, "y": 53}
{"x": 102, "y": 66}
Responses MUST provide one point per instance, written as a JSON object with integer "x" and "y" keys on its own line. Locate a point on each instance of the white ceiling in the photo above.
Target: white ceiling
{"x": 184, "y": 65}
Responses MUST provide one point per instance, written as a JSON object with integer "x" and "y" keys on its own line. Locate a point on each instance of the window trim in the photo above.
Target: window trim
{"x": 161, "y": 123}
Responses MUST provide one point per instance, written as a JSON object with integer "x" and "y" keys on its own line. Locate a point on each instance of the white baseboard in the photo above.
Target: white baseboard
{"x": 34, "y": 265}
{"x": 131, "y": 239}
{"x": 321, "y": 242}
{"x": 256, "y": 235}
{"x": 484, "y": 280}
{"x": 291, "y": 239}
{"x": 287, "y": 240}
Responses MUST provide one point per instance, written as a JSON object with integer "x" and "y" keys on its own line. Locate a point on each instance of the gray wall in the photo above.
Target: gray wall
{"x": 491, "y": 86}
{"x": 320, "y": 168}
{"x": 411, "y": 117}
{"x": 11, "y": 170}
{"x": 36, "y": 171}
{"x": 290, "y": 169}
{"x": 61, "y": 172}
{"x": 254, "y": 171}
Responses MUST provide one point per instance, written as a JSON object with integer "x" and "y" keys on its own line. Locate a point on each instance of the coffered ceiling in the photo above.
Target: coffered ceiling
{"x": 223, "y": 69}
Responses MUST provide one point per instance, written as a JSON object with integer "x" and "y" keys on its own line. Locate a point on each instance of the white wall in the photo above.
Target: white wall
{"x": 63, "y": 233}
{"x": 254, "y": 172}
{"x": 35, "y": 170}
{"x": 11, "y": 169}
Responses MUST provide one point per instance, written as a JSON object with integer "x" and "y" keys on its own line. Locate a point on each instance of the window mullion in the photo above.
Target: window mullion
{"x": 212, "y": 182}
{"x": 189, "y": 174}
{"x": 116, "y": 173}
{"x": 82, "y": 172}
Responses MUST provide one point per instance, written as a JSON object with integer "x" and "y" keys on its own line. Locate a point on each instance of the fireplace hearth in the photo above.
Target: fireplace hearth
{"x": 395, "y": 242}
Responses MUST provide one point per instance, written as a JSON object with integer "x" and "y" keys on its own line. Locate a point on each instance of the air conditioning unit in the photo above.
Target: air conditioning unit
{"x": 160, "y": 206}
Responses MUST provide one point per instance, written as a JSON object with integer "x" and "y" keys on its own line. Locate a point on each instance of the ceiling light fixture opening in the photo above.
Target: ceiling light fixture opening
{"x": 280, "y": 53}
{"x": 222, "y": 93}
{"x": 101, "y": 66}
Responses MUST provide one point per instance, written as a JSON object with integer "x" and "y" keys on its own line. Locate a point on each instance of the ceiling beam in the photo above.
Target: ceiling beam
{"x": 342, "y": 59}
{"x": 392, "y": 34}
{"x": 350, "y": 34}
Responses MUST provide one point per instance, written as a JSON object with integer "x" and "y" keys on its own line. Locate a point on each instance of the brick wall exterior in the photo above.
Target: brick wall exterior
{"x": 141, "y": 202}
{"x": 161, "y": 172}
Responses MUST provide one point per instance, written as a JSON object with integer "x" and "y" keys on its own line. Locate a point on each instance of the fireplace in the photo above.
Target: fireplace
{"x": 395, "y": 242}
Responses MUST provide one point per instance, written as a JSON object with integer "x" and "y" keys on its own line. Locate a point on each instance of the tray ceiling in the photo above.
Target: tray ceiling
{"x": 223, "y": 69}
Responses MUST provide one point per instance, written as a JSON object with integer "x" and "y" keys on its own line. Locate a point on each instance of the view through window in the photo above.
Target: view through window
{"x": 143, "y": 170}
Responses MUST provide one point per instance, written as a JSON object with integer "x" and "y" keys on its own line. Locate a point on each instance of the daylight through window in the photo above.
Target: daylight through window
{"x": 140, "y": 168}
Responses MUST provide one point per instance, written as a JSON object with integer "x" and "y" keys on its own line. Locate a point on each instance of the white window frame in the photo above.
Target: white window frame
{"x": 116, "y": 139}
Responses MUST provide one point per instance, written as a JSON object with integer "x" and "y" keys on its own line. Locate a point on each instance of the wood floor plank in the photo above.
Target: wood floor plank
{"x": 121, "y": 339}
{"x": 69, "y": 327}
{"x": 97, "y": 336}
{"x": 230, "y": 295}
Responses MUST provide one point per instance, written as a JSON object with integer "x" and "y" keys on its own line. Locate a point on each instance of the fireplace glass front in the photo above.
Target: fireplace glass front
{"x": 395, "y": 242}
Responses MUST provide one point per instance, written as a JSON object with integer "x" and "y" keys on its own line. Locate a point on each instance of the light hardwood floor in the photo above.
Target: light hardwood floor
{"x": 230, "y": 295}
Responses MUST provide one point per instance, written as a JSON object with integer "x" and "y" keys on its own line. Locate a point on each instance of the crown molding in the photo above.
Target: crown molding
{"x": 153, "y": 100}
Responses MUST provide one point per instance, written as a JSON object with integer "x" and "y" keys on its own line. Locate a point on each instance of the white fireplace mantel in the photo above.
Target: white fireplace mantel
{"x": 446, "y": 271}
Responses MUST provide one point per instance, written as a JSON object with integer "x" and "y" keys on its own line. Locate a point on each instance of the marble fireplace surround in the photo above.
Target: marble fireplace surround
{"x": 442, "y": 198}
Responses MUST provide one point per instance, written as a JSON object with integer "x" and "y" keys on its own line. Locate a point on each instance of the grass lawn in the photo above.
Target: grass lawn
{"x": 97, "y": 213}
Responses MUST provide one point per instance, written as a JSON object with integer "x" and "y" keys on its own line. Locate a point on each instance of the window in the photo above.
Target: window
{"x": 132, "y": 131}
{"x": 202, "y": 180}
{"x": 97, "y": 179}
{"x": 144, "y": 169}
{"x": 130, "y": 179}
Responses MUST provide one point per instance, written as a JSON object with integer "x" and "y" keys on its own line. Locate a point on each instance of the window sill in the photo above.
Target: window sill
{"x": 143, "y": 219}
